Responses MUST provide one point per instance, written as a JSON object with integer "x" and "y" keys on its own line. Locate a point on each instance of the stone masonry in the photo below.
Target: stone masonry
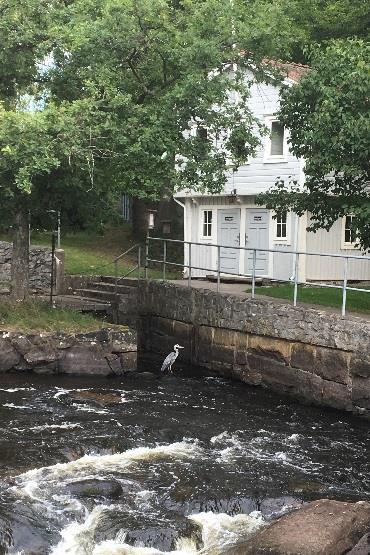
{"x": 310, "y": 354}
{"x": 39, "y": 267}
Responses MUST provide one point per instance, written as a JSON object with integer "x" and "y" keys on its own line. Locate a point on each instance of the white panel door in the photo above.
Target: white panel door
{"x": 257, "y": 237}
{"x": 228, "y": 234}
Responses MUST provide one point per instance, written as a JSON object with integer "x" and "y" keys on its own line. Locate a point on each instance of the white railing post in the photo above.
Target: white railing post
{"x": 189, "y": 266}
{"x": 296, "y": 266}
{"x": 254, "y": 272}
{"x": 218, "y": 267}
{"x": 164, "y": 259}
{"x": 344, "y": 292}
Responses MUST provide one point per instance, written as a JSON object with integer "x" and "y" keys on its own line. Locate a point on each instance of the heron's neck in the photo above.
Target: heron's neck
{"x": 176, "y": 350}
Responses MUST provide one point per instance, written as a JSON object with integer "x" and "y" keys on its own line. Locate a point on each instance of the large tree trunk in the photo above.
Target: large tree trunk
{"x": 139, "y": 219}
{"x": 20, "y": 259}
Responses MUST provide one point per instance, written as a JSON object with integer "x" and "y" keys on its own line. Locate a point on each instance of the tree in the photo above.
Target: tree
{"x": 167, "y": 75}
{"x": 328, "y": 116}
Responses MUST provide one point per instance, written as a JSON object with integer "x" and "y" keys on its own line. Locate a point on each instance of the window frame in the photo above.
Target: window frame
{"x": 274, "y": 158}
{"x": 207, "y": 224}
{"x": 346, "y": 245}
{"x": 275, "y": 222}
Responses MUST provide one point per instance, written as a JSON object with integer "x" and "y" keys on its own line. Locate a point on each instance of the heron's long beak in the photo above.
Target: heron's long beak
{"x": 179, "y": 346}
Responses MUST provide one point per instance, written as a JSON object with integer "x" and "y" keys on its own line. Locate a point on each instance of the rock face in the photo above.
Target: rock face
{"x": 101, "y": 352}
{"x": 324, "y": 527}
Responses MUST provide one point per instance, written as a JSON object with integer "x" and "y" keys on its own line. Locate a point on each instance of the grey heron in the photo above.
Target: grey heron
{"x": 170, "y": 359}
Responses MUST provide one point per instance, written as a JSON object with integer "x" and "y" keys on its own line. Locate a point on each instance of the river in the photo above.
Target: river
{"x": 193, "y": 464}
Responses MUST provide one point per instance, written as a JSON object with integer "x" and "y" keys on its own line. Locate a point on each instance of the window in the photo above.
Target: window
{"x": 281, "y": 226}
{"x": 207, "y": 223}
{"x": 349, "y": 231}
{"x": 277, "y": 139}
{"x": 276, "y": 142}
{"x": 202, "y": 133}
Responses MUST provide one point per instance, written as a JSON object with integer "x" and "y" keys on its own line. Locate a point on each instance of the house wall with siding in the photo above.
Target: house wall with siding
{"x": 331, "y": 269}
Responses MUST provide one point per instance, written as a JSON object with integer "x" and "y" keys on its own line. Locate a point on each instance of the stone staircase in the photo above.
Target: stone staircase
{"x": 103, "y": 296}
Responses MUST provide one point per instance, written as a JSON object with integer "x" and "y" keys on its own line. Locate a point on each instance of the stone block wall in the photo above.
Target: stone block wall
{"x": 310, "y": 354}
{"x": 39, "y": 267}
{"x": 103, "y": 352}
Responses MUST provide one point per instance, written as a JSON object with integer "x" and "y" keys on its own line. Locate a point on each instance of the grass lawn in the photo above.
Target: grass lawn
{"x": 357, "y": 301}
{"x": 88, "y": 253}
{"x": 37, "y": 315}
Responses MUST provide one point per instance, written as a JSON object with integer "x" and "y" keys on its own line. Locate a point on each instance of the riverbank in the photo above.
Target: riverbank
{"x": 101, "y": 352}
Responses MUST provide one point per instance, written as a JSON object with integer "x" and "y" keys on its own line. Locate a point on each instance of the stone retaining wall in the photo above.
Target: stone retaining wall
{"x": 39, "y": 267}
{"x": 103, "y": 352}
{"x": 314, "y": 355}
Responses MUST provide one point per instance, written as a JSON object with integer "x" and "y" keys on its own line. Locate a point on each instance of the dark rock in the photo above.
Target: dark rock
{"x": 114, "y": 362}
{"x": 361, "y": 392}
{"x": 8, "y": 356}
{"x": 129, "y": 361}
{"x": 360, "y": 365}
{"x": 51, "y": 368}
{"x": 84, "y": 359}
{"x": 362, "y": 547}
{"x": 21, "y": 344}
{"x": 324, "y": 527}
{"x": 100, "y": 336}
{"x": 303, "y": 357}
{"x": 332, "y": 365}
{"x": 101, "y": 399}
{"x": 95, "y": 488}
{"x": 39, "y": 355}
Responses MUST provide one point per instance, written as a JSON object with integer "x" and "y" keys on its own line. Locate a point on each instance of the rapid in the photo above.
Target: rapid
{"x": 175, "y": 464}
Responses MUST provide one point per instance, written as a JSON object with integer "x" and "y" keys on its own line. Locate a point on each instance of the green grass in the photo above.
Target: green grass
{"x": 357, "y": 301}
{"x": 88, "y": 253}
{"x": 37, "y": 315}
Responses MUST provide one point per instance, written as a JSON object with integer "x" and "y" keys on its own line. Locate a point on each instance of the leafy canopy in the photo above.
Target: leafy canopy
{"x": 328, "y": 116}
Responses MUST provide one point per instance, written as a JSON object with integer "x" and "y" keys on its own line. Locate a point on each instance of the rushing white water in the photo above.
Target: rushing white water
{"x": 218, "y": 532}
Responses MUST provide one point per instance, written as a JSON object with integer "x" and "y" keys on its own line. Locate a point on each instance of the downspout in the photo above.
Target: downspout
{"x": 185, "y": 227}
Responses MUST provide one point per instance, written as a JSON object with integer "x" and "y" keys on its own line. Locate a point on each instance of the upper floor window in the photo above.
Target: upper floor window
{"x": 207, "y": 223}
{"x": 281, "y": 226}
{"x": 277, "y": 139}
{"x": 276, "y": 145}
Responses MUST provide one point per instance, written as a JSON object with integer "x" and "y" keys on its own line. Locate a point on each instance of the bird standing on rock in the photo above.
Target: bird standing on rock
{"x": 170, "y": 359}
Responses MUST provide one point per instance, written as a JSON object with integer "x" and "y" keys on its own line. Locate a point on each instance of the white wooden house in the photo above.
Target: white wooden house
{"x": 232, "y": 218}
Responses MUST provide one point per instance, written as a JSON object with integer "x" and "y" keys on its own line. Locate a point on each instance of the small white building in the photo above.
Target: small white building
{"x": 232, "y": 218}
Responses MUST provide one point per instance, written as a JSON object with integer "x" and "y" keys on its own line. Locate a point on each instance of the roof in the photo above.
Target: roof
{"x": 290, "y": 70}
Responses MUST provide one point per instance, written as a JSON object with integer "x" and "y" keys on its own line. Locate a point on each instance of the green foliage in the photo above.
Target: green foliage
{"x": 38, "y": 315}
{"x": 328, "y": 116}
{"x": 357, "y": 301}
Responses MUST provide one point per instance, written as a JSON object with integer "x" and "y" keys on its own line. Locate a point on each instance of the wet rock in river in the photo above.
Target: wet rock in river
{"x": 95, "y": 488}
{"x": 323, "y": 527}
{"x": 101, "y": 399}
{"x": 8, "y": 356}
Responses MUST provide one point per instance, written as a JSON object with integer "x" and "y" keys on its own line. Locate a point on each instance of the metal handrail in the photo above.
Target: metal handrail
{"x": 164, "y": 262}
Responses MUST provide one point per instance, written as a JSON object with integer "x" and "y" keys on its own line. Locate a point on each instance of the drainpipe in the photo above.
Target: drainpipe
{"x": 185, "y": 225}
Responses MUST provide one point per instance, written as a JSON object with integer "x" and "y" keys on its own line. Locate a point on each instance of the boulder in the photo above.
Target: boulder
{"x": 95, "y": 488}
{"x": 101, "y": 399}
{"x": 84, "y": 360}
{"x": 8, "y": 356}
{"x": 323, "y": 527}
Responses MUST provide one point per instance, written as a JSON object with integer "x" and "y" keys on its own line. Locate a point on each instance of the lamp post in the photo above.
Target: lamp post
{"x": 58, "y": 213}
{"x": 151, "y": 224}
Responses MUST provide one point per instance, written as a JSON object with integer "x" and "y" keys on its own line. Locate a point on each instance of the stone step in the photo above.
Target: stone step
{"x": 132, "y": 282}
{"x": 104, "y": 296}
{"x": 82, "y": 304}
{"x": 111, "y": 287}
